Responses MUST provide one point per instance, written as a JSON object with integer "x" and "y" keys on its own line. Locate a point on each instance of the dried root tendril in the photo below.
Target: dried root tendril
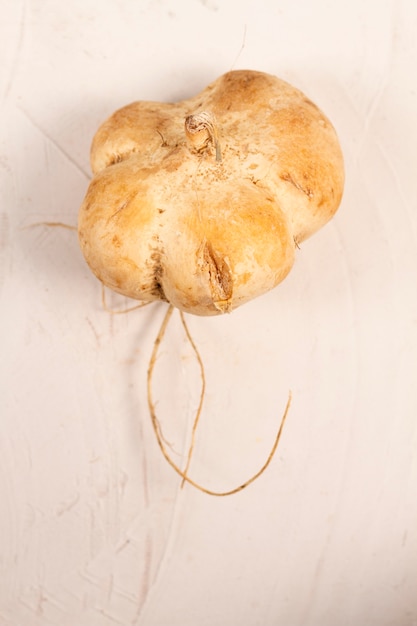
{"x": 52, "y": 225}
{"x": 157, "y": 429}
{"x": 119, "y": 311}
{"x": 202, "y": 394}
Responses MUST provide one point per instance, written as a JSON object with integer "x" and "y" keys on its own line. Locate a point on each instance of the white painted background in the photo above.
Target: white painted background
{"x": 94, "y": 528}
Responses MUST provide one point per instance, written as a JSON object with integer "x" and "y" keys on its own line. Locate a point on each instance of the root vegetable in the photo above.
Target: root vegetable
{"x": 202, "y": 203}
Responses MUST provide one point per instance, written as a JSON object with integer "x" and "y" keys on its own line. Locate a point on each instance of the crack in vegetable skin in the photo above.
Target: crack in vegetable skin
{"x": 221, "y": 281}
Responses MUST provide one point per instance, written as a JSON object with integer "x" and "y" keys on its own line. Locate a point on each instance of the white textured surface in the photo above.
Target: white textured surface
{"x": 94, "y": 529}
